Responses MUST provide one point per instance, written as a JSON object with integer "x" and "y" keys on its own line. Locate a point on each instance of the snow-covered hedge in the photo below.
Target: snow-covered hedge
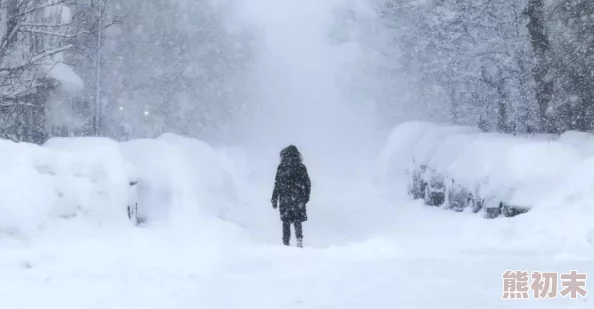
{"x": 462, "y": 168}
{"x": 99, "y": 180}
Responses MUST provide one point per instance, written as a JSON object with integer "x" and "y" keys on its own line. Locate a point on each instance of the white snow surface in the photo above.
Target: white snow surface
{"x": 206, "y": 186}
{"x": 54, "y": 66}
{"x": 212, "y": 239}
{"x": 549, "y": 174}
{"x": 69, "y": 80}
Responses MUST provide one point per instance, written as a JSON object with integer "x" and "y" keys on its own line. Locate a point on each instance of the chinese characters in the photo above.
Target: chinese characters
{"x": 544, "y": 285}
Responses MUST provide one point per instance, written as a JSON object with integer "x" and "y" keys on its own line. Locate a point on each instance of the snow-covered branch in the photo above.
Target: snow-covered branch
{"x": 54, "y": 33}
{"x": 43, "y": 6}
{"x": 49, "y": 52}
{"x": 41, "y": 25}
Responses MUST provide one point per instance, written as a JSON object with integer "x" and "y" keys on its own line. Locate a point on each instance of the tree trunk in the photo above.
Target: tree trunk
{"x": 11, "y": 21}
{"x": 540, "y": 45}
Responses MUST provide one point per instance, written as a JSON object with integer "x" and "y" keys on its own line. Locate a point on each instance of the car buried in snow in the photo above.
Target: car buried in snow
{"x": 436, "y": 189}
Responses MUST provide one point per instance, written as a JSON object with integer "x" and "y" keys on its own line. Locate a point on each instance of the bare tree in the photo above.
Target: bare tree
{"x": 33, "y": 41}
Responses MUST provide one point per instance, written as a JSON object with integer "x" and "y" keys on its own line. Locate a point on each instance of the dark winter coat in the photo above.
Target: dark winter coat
{"x": 291, "y": 189}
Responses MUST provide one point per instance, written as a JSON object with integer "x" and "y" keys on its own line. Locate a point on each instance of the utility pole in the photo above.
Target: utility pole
{"x": 98, "y": 73}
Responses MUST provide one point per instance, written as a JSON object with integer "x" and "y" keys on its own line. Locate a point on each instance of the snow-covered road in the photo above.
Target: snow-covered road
{"x": 368, "y": 245}
{"x": 418, "y": 262}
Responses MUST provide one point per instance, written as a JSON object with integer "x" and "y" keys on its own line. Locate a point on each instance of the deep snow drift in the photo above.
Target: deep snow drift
{"x": 212, "y": 239}
{"x": 549, "y": 174}
{"x": 85, "y": 182}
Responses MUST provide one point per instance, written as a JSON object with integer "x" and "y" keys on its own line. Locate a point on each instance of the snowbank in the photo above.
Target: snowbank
{"x": 464, "y": 169}
{"x": 97, "y": 179}
{"x": 66, "y": 178}
{"x": 179, "y": 177}
{"x": 512, "y": 169}
{"x": 157, "y": 168}
{"x": 27, "y": 189}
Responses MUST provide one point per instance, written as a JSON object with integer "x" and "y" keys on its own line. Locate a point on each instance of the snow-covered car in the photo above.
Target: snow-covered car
{"x": 438, "y": 190}
{"x": 133, "y": 202}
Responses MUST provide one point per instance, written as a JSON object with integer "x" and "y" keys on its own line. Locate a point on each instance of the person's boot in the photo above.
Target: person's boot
{"x": 299, "y": 242}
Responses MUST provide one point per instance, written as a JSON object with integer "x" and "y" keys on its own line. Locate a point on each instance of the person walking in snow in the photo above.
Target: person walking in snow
{"x": 292, "y": 187}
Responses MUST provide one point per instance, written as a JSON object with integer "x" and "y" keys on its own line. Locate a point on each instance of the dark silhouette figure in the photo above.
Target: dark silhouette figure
{"x": 291, "y": 192}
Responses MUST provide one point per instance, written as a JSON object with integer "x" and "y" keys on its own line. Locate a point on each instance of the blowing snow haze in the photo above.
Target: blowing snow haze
{"x": 257, "y": 72}
{"x": 308, "y": 72}
{"x": 304, "y": 79}
{"x": 440, "y": 144}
